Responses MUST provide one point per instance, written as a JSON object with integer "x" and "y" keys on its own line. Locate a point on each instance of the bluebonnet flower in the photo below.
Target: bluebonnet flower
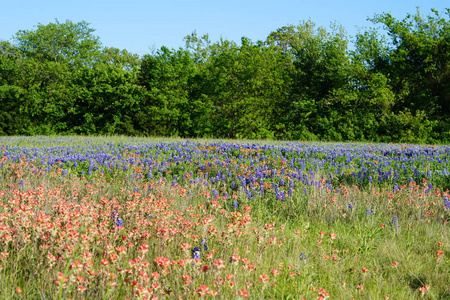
{"x": 279, "y": 194}
{"x": 302, "y": 256}
{"x": 369, "y": 212}
{"x": 350, "y": 206}
{"x": 430, "y": 186}
{"x": 244, "y": 182}
{"x": 196, "y": 253}
{"x": 289, "y": 192}
{"x": 204, "y": 243}
{"x": 370, "y": 178}
{"x": 446, "y": 203}
{"x": 235, "y": 204}
{"x": 114, "y": 215}
{"x": 395, "y": 188}
{"x": 119, "y": 222}
{"x": 394, "y": 220}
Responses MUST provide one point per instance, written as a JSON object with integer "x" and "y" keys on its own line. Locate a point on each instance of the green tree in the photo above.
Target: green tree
{"x": 12, "y": 119}
{"x": 247, "y": 86}
{"x": 73, "y": 43}
{"x": 321, "y": 67}
{"x": 357, "y": 108}
{"x": 48, "y": 59}
{"x": 167, "y": 108}
{"x": 34, "y": 94}
{"x": 415, "y": 58}
{"x": 108, "y": 95}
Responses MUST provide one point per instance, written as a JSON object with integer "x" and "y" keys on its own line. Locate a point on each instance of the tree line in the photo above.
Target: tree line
{"x": 302, "y": 83}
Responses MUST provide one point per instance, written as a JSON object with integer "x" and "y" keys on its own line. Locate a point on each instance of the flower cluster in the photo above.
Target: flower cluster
{"x": 226, "y": 220}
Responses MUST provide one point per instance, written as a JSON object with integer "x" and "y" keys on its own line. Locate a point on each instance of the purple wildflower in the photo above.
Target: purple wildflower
{"x": 196, "y": 253}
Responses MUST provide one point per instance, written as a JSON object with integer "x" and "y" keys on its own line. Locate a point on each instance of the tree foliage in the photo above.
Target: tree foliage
{"x": 69, "y": 42}
{"x": 302, "y": 82}
{"x": 415, "y": 59}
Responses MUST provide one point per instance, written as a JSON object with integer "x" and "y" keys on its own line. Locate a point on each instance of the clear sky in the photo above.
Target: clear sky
{"x": 142, "y": 25}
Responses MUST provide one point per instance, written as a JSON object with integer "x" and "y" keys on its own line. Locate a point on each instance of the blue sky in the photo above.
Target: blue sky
{"x": 139, "y": 26}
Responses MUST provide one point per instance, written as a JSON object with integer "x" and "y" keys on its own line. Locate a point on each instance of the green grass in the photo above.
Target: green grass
{"x": 309, "y": 246}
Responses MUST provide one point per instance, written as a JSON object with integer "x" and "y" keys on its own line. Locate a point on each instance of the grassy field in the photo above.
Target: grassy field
{"x": 137, "y": 218}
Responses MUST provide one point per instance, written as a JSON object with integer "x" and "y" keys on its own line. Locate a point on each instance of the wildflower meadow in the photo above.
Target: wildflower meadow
{"x": 135, "y": 218}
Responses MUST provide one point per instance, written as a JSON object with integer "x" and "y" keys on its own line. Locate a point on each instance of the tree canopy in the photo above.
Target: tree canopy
{"x": 302, "y": 82}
